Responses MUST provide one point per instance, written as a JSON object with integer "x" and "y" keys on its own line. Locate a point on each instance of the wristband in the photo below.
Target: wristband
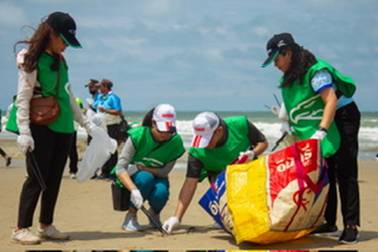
{"x": 323, "y": 129}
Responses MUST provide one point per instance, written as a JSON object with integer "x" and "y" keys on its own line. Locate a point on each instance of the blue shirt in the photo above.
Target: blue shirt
{"x": 322, "y": 80}
{"x": 108, "y": 101}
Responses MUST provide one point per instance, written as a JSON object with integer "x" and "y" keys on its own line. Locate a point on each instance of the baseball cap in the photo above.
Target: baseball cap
{"x": 91, "y": 82}
{"x": 204, "y": 125}
{"x": 275, "y": 44}
{"x": 165, "y": 117}
{"x": 64, "y": 24}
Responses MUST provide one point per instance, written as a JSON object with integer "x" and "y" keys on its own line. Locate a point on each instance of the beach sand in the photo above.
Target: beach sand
{"x": 84, "y": 210}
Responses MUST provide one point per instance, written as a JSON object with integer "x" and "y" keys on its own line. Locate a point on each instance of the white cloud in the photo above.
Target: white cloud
{"x": 11, "y": 15}
{"x": 158, "y": 7}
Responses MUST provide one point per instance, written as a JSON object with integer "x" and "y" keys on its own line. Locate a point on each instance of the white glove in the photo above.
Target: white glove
{"x": 170, "y": 224}
{"x": 319, "y": 135}
{"x": 89, "y": 126}
{"x": 136, "y": 198}
{"x": 132, "y": 169}
{"x": 25, "y": 142}
{"x": 247, "y": 155}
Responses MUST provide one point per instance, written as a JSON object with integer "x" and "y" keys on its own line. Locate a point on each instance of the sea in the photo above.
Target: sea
{"x": 264, "y": 121}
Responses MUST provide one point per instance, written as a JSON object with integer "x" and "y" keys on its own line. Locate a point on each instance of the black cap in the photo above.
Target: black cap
{"x": 64, "y": 24}
{"x": 275, "y": 45}
{"x": 91, "y": 82}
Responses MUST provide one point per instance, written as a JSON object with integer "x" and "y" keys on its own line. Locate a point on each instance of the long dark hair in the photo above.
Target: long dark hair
{"x": 147, "y": 120}
{"x": 38, "y": 43}
{"x": 301, "y": 60}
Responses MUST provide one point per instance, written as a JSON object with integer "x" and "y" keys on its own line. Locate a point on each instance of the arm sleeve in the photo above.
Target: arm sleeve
{"x": 78, "y": 115}
{"x": 321, "y": 80}
{"x": 26, "y": 84}
{"x": 254, "y": 135}
{"x": 166, "y": 169}
{"x": 125, "y": 157}
{"x": 194, "y": 167}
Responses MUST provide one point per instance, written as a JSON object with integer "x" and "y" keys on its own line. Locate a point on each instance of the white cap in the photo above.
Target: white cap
{"x": 165, "y": 117}
{"x": 204, "y": 125}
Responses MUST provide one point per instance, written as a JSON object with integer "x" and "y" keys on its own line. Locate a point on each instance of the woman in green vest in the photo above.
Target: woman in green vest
{"x": 216, "y": 143}
{"x": 43, "y": 71}
{"x": 148, "y": 156}
{"x": 319, "y": 103}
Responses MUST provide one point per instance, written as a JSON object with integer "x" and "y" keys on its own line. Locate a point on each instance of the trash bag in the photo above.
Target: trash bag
{"x": 97, "y": 153}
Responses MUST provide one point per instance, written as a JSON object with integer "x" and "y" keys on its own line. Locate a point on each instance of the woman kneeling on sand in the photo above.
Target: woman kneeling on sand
{"x": 147, "y": 158}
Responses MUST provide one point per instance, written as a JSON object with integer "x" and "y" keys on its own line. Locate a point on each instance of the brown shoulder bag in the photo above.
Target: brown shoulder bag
{"x": 44, "y": 110}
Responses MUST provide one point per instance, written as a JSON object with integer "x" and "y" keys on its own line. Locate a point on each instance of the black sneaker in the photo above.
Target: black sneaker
{"x": 349, "y": 236}
{"x": 325, "y": 229}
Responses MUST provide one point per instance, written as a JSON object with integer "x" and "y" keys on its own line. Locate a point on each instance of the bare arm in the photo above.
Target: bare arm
{"x": 329, "y": 98}
{"x": 260, "y": 148}
{"x": 186, "y": 194}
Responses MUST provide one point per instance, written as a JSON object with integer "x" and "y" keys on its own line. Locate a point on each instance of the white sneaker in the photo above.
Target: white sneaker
{"x": 131, "y": 222}
{"x": 73, "y": 175}
{"x": 25, "y": 237}
{"x": 51, "y": 233}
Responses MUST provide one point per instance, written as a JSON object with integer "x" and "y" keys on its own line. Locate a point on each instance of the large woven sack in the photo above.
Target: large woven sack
{"x": 279, "y": 197}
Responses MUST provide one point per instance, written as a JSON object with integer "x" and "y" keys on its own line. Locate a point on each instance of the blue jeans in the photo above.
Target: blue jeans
{"x": 153, "y": 189}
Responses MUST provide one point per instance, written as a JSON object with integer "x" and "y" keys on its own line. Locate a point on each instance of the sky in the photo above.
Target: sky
{"x": 198, "y": 54}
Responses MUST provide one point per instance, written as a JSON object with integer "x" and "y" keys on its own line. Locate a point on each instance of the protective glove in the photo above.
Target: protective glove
{"x": 246, "y": 156}
{"x": 25, "y": 143}
{"x": 89, "y": 126}
{"x": 170, "y": 224}
{"x": 132, "y": 169}
{"x": 319, "y": 134}
{"x": 136, "y": 198}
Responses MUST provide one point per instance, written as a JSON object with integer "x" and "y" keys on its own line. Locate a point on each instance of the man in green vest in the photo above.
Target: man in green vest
{"x": 319, "y": 102}
{"x": 216, "y": 143}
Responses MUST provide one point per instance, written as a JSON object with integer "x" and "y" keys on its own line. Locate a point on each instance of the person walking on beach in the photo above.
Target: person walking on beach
{"x": 147, "y": 158}
{"x": 318, "y": 99}
{"x": 109, "y": 109}
{"x": 43, "y": 70}
{"x": 216, "y": 143}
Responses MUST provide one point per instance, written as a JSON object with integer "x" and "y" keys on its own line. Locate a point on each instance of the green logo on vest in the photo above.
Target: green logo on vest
{"x": 305, "y": 111}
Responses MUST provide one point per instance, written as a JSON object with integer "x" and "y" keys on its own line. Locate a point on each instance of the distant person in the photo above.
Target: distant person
{"x": 147, "y": 158}
{"x": 216, "y": 143}
{"x": 7, "y": 158}
{"x": 43, "y": 69}
{"x": 319, "y": 102}
{"x": 93, "y": 88}
{"x": 108, "y": 106}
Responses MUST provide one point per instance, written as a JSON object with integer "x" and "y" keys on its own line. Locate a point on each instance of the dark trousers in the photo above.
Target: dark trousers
{"x": 73, "y": 154}
{"x": 51, "y": 151}
{"x": 343, "y": 168}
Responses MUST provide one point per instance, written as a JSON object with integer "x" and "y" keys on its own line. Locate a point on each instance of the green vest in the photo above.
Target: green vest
{"x": 305, "y": 107}
{"x": 217, "y": 159}
{"x": 48, "y": 80}
{"x": 149, "y": 152}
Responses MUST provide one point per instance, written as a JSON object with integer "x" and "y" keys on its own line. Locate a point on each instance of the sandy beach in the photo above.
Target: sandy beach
{"x": 84, "y": 210}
